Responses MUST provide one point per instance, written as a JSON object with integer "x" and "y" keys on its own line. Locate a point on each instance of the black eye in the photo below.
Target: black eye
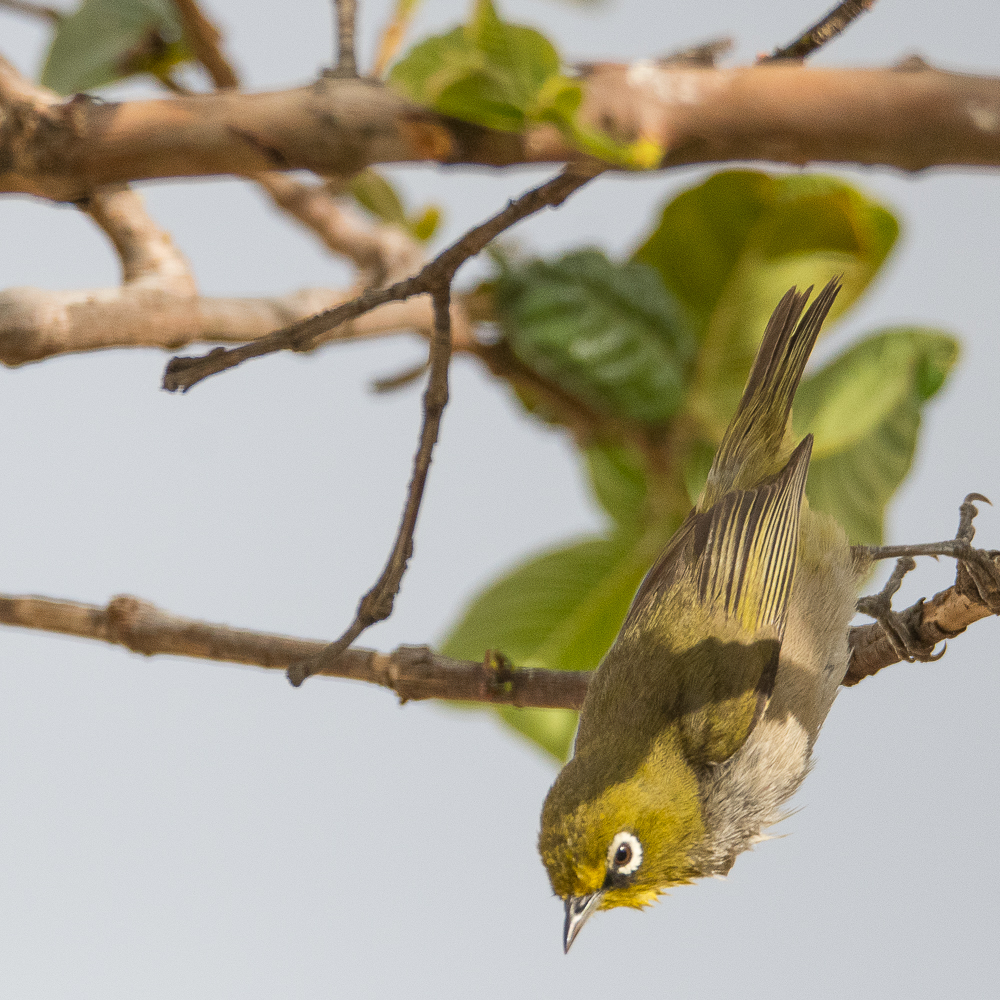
{"x": 623, "y": 855}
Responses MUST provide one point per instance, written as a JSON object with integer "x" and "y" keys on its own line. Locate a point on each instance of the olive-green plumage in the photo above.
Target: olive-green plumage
{"x": 700, "y": 721}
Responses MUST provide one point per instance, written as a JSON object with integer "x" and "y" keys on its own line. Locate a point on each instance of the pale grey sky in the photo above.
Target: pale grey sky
{"x": 173, "y": 828}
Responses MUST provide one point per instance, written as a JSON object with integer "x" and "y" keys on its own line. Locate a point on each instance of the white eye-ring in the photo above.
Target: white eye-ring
{"x": 625, "y": 853}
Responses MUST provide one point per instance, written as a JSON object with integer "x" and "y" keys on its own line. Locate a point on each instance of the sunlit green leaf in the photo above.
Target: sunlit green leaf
{"x": 507, "y": 76}
{"x": 105, "y": 40}
{"x": 487, "y": 71}
{"x": 608, "y": 333}
{"x": 728, "y": 250}
{"x": 864, "y": 410}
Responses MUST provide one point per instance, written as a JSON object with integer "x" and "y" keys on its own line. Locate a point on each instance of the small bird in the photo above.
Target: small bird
{"x": 700, "y": 722}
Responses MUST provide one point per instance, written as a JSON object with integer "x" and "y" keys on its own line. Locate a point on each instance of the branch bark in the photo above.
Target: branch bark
{"x": 911, "y": 119}
{"x": 413, "y": 672}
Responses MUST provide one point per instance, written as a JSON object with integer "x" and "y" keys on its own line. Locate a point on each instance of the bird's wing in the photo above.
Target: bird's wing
{"x": 739, "y": 555}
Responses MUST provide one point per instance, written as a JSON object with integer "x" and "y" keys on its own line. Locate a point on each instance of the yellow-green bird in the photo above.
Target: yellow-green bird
{"x": 699, "y": 723}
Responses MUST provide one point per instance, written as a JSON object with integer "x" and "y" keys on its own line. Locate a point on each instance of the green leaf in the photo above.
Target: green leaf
{"x": 728, "y": 250}
{"x": 376, "y": 195}
{"x": 619, "y": 482}
{"x": 605, "y": 332}
{"x": 487, "y": 71}
{"x": 107, "y": 40}
{"x": 562, "y": 611}
{"x": 425, "y": 224}
{"x": 506, "y": 76}
{"x": 864, "y": 410}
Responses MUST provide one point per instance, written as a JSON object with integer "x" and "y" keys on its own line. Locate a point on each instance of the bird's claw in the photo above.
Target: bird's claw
{"x": 903, "y": 637}
{"x": 978, "y": 575}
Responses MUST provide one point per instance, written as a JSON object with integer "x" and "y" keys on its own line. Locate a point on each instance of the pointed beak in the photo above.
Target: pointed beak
{"x": 578, "y": 909}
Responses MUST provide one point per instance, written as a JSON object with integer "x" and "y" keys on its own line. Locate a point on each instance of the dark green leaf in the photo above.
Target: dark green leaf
{"x": 106, "y": 40}
{"x": 561, "y": 610}
{"x": 731, "y": 247}
{"x": 864, "y": 411}
{"x": 607, "y": 333}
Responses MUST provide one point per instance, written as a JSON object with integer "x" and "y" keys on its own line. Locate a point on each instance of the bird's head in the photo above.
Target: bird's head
{"x": 620, "y": 843}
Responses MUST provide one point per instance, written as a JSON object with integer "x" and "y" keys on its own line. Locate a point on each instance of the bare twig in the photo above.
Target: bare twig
{"x": 33, "y": 10}
{"x": 823, "y": 31}
{"x": 205, "y": 40}
{"x": 377, "y": 604}
{"x": 435, "y": 278}
{"x": 413, "y": 672}
{"x": 382, "y": 253}
{"x": 344, "y": 14}
{"x": 182, "y": 372}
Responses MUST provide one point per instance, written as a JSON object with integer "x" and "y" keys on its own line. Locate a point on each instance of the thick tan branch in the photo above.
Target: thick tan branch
{"x": 910, "y": 119}
{"x": 36, "y": 323}
{"x": 413, "y": 672}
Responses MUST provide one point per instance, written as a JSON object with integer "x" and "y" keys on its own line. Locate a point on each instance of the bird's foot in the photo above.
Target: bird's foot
{"x": 899, "y": 630}
{"x": 978, "y": 572}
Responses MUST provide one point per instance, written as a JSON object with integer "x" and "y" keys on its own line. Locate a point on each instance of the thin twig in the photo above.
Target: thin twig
{"x": 823, "y": 31}
{"x": 377, "y": 604}
{"x": 34, "y": 10}
{"x": 184, "y": 372}
{"x": 205, "y": 40}
{"x": 344, "y": 16}
{"x": 413, "y": 672}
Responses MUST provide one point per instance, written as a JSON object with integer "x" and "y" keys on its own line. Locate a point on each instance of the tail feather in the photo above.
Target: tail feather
{"x": 754, "y": 445}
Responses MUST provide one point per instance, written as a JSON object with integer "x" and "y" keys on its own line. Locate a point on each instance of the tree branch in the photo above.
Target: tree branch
{"x": 780, "y": 112}
{"x": 377, "y": 604}
{"x": 823, "y": 31}
{"x": 413, "y": 672}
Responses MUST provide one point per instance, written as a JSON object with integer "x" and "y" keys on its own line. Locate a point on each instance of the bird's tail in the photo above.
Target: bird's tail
{"x": 754, "y": 445}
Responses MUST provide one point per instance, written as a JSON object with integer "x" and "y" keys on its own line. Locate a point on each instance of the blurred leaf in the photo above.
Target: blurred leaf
{"x": 604, "y": 332}
{"x": 619, "y": 482}
{"x": 864, "y": 410}
{"x": 376, "y": 195}
{"x": 561, "y": 610}
{"x": 107, "y": 40}
{"x": 425, "y": 225}
{"x": 728, "y": 250}
{"x": 506, "y": 76}
{"x": 487, "y": 71}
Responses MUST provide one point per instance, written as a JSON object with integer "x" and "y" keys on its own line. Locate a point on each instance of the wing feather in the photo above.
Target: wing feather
{"x": 740, "y": 554}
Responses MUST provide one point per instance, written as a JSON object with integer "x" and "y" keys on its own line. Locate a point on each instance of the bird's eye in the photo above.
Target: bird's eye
{"x": 625, "y": 853}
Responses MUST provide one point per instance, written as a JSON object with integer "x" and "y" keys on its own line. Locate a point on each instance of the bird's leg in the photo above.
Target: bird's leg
{"x": 901, "y": 634}
{"x": 978, "y": 573}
